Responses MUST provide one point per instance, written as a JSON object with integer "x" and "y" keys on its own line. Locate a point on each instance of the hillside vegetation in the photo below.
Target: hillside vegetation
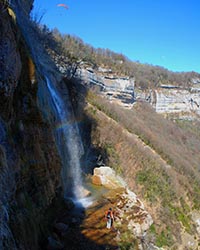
{"x": 158, "y": 158}
{"x": 146, "y": 76}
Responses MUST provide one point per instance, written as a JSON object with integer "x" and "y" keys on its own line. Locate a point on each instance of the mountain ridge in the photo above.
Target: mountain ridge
{"x": 146, "y": 75}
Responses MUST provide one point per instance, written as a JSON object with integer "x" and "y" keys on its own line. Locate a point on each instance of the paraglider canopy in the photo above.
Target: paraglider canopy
{"x": 63, "y": 5}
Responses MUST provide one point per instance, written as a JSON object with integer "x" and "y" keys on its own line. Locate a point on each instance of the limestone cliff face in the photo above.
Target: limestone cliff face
{"x": 106, "y": 80}
{"x": 170, "y": 100}
{"x": 177, "y": 101}
{"x": 116, "y": 88}
{"x": 29, "y": 161}
{"x": 103, "y": 78}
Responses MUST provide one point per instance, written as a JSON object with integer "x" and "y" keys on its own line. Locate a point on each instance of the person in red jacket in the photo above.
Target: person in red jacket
{"x": 110, "y": 218}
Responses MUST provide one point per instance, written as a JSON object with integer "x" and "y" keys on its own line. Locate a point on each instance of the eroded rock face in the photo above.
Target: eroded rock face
{"x": 107, "y": 177}
{"x": 106, "y": 80}
{"x": 116, "y": 88}
{"x": 129, "y": 209}
{"x": 174, "y": 100}
{"x": 10, "y": 62}
{"x": 103, "y": 78}
{"x": 168, "y": 101}
{"x": 29, "y": 161}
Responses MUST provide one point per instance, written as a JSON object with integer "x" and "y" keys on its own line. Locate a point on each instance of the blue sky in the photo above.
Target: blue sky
{"x": 158, "y": 32}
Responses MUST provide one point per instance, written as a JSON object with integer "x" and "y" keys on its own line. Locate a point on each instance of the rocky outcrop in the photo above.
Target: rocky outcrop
{"x": 170, "y": 99}
{"x": 166, "y": 99}
{"x": 118, "y": 89}
{"x": 129, "y": 209}
{"x": 105, "y": 79}
{"x": 107, "y": 177}
{"x": 114, "y": 87}
{"x": 177, "y": 101}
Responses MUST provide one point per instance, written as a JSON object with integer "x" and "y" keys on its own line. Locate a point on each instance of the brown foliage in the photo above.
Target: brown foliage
{"x": 158, "y": 158}
{"x": 146, "y": 75}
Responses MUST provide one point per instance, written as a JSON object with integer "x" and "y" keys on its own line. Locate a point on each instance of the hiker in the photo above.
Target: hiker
{"x": 110, "y": 218}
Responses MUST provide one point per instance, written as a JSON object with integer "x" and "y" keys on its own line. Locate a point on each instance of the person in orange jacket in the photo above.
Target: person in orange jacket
{"x": 110, "y": 218}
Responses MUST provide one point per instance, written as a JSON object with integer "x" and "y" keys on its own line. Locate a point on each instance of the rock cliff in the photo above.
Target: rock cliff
{"x": 174, "y": 100}
{"x": 116, "y": 88}
{"x": 30, "y": 164}
{"x": 121, "y": 89}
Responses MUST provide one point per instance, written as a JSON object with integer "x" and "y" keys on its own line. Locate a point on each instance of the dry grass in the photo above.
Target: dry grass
{"x": 158, "y": 158}
{"x": 178, "y": 146}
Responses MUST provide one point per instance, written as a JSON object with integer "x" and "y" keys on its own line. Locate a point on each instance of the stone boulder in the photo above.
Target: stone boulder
{"x": 106, "y": 176}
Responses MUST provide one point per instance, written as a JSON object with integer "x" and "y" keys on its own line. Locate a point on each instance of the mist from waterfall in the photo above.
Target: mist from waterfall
{"x": 69, "y": 143}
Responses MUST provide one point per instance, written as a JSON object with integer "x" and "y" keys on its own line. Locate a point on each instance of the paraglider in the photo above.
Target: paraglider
{"x": 63, "y": 5}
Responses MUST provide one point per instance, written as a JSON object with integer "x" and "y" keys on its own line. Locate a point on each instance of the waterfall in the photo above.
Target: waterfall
{"x": 69, "y": 142}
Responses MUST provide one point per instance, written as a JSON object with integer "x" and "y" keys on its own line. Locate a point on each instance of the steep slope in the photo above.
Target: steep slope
{"x": 29, "y": 162}
{"x": 159, "y": 161}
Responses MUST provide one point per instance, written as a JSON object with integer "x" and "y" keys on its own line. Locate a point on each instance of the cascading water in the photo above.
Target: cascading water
{"x": 69, "y": 143}
{"x": 67, "y": 136}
